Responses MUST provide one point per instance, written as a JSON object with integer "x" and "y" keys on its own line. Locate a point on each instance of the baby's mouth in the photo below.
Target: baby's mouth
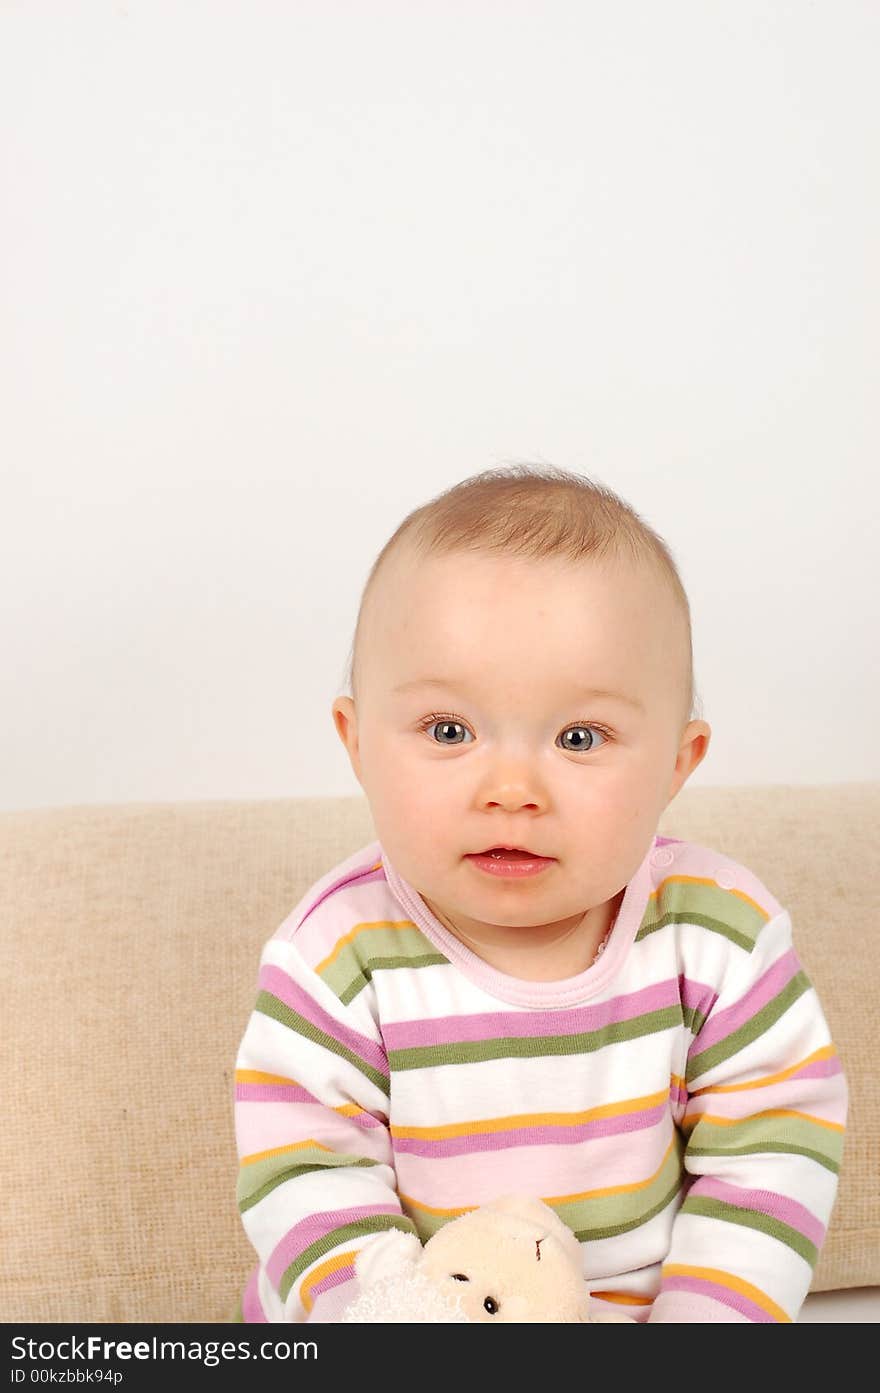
{"x": 507, "y": 853}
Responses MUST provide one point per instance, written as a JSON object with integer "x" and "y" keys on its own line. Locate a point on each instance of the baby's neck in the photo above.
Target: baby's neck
{"x": 539, "y": 959}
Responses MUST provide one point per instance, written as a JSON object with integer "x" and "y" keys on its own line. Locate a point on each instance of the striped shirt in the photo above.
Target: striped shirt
{"x": 679, "y": 1104}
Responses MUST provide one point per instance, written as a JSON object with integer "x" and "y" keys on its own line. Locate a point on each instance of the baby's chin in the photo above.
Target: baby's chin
{"x": 472, "y": 916}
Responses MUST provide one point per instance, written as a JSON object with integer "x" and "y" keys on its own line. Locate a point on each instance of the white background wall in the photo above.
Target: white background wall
{"x": 274, "y": 274}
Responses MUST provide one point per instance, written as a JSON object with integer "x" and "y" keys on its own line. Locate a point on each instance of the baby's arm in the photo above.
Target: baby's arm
{"x": 316, "y": 1177}
{"x": 764, "y": 1125}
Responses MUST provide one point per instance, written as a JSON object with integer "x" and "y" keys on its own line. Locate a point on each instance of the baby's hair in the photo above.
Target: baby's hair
{"x": 535, "y": 511}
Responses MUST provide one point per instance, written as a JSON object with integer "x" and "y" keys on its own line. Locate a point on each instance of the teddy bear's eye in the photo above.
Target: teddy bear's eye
{"x": 460, "y": 1277}
{"x": 490, "y": 1305}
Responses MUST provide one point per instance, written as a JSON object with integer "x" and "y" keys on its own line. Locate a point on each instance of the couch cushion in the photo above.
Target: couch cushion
{"x": 130, "y": 938}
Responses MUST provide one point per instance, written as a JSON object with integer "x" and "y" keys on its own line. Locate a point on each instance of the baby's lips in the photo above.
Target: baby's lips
{"x": 511, "y": 854}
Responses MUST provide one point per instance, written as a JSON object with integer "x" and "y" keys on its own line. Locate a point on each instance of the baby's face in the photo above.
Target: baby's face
{"x": 475, "y": 727}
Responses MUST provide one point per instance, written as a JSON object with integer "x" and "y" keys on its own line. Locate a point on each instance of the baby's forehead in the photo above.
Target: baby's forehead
{"x": 618, "y": 592}
{"x": 448, "y": 600}
{"x": 407, "y": 562}
{"x": 621, "y": 600}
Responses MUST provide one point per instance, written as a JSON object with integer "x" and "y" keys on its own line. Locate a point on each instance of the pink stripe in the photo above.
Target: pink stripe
{"x": 275, "y": 1125}
{"x": 764, "y": 990}
{"x": 251, "y": 1306}
{"x": 814, "y": 1096}
{"x": 274, "y": 980}
{"x": 271, "y": 1093}
{"x": 334, "y": 1279}
{"x": 456, "y": 1182}
{"x": 765, "y": 1202}
{"x": 330, "y": 1306}
{"x": 364, "y": 874}
{"x": 693, "y": 1308}
{"x": 287, "y": 1095}
{"x": 678, "y": 1095}
{"x": 519, "y": 1025}
{"x": 554, "y": 1134}
{"x": 316, "y": 1226}
{"x": 822, "y": 1069}
{"x": 696, "y": 996}
{"x": 724, "y": 1295}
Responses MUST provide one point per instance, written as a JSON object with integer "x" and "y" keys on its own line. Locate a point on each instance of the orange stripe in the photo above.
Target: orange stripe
{"x": 408, "y": 924}
{"x": 826, "y": 1052}
{"x": 410, "y": 1203}
{"x": 628, "y": 1189}
{"x": 623, "y": 1298}
{"x": 691, "y": 1122}
{"x": 279, "y": 1150}
{"x": 727, "y": 1279}
{"x": 254, "y": 1076}
{"x": 537, "y": 1119}
{"x": 362, "y": 928}
{"x": 707, "y": 880}
{"x": 318, "y": 1274}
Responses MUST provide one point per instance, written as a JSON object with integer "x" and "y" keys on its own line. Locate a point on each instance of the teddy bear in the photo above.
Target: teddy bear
{"x": 511, "y": 1260}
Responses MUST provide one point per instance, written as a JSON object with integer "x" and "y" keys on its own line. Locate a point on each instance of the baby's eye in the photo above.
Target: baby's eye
{"x": 448, "y": 725}
{"x": 581, "y": 744}
{"x": 443, "y": 723}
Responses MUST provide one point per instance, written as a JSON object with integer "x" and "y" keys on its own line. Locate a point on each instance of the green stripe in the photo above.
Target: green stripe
{"x": 606, "y": 1214}
{"x": 375, "y": 945}
{"x": 591, "y": 1233}
{"x": 709, "y": 906}
{"x": 532, "y": 1047}
{"x": 716, "y": 926}
{"x": 757, "y": 1025}
{"x": 271, "y": 1006}
{"x": 753, "y": 1219}
{"x": 365, "y": 973}
{"x": 781, "y": 1147}
{"x": 259, "y": 1178}
{"x": 376, "y": 1223}
{"x": 426, "y": 1224}
{"x": 597, "y": 1216}
{"x": 693, "y": 1018}
{"x": 758, "y": 1133}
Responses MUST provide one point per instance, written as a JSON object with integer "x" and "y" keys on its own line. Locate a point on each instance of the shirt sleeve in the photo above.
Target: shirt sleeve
{"x": 316, "y": 1174}
{"x": 763, "y": 1127}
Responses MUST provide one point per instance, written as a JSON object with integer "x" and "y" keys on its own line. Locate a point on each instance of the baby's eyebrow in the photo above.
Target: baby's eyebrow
{"x": 452, "y": 684}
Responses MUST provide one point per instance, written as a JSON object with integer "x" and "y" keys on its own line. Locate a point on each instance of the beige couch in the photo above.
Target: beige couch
{"x": 130, "y": 940}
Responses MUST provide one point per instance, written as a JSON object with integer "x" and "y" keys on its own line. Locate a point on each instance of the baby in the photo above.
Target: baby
{"x": 519, "y": 986}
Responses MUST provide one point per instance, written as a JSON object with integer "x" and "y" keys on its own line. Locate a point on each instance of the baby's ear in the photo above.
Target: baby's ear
{"x": 386, "y": 1255}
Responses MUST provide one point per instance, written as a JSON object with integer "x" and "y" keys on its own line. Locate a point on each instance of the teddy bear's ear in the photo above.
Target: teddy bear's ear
{"x": 386, "y": 1255}
{"x": 525, "y": 1207}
